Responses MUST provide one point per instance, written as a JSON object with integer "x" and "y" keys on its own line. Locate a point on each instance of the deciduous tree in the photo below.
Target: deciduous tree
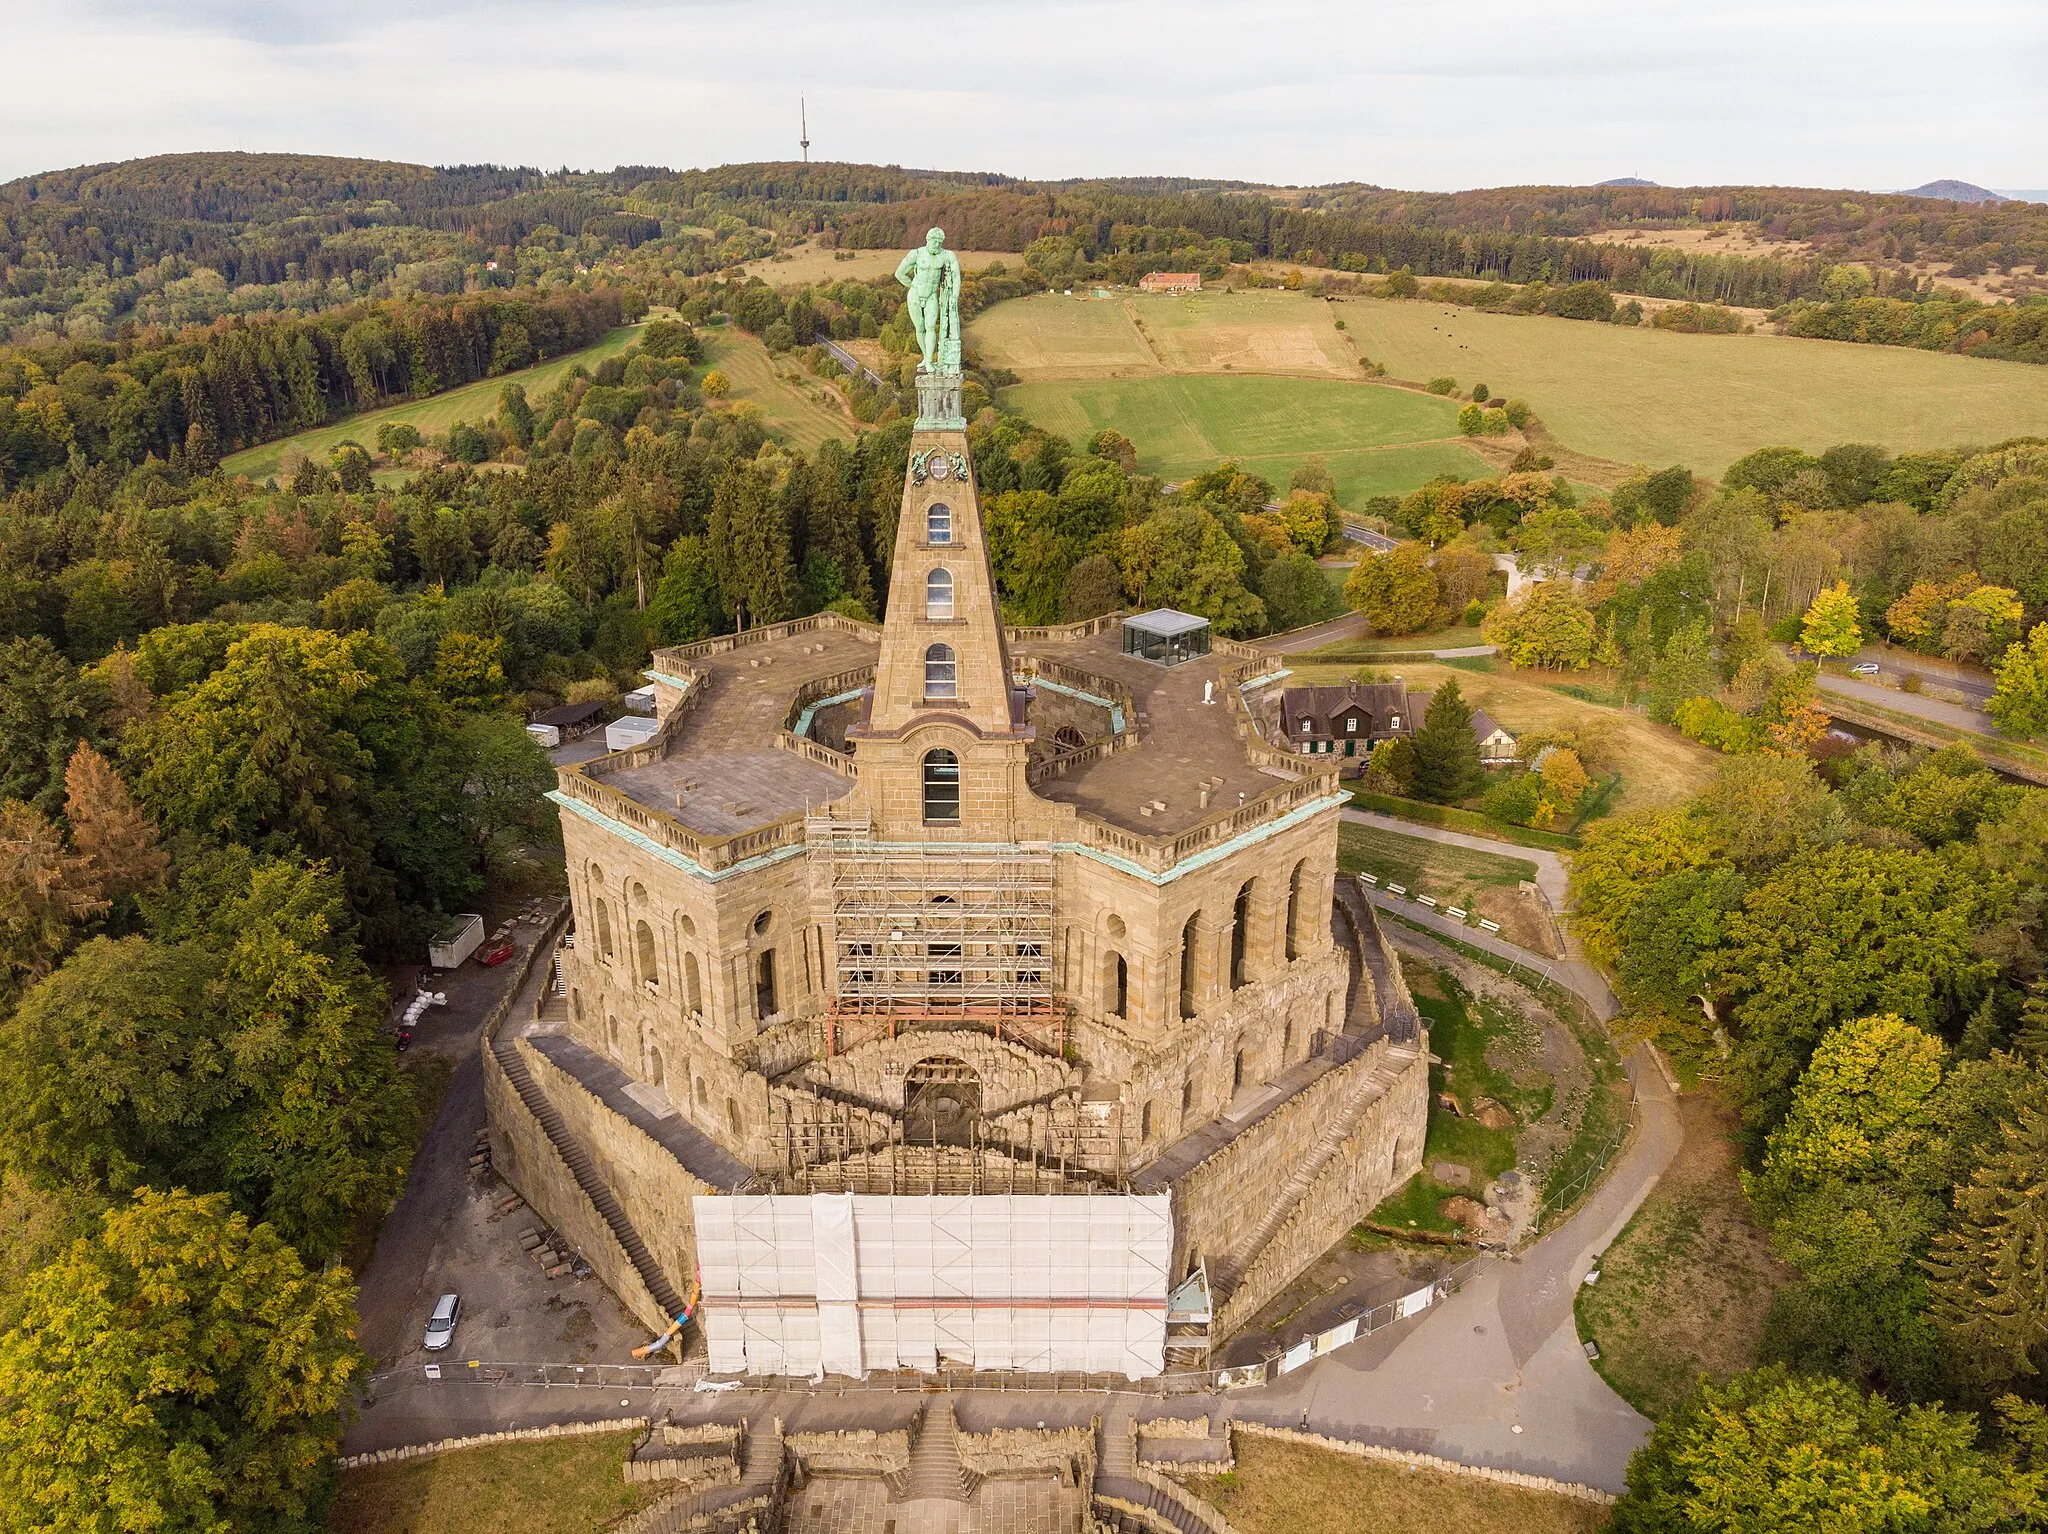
{"x": 180, "y": 1370}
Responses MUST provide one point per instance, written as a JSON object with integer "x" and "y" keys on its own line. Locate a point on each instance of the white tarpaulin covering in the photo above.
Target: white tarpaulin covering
{"x": 847, "y": 1283}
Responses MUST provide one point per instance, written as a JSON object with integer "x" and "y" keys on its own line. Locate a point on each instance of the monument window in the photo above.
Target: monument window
{"x": 1029, "y": 955}
{"x": 941, "y": 672}
{"x": 693, "y": 993}
{"x": 643, "y": 952}
{"x": 654, "y": 1071}
{"x": 1237, "y": 1072}
{"x": 1187, "y": 1098}
{"x": 1294, "y": 908}
{"x": 761, "y": 923}
{"x": 941, "y": 787}
{"x": 1067, "y": 738}
{"x": 1240, "y": 927}
{"x": 1145, "y": 1123}
{"x": 764, "y": 984}
{"x": 604, "y": 928}
{"x": 938, "y": 523}
{"x": 1188, "y": 962}
{"x": 938, "y": 594}
{"x": 1116, "y": 986}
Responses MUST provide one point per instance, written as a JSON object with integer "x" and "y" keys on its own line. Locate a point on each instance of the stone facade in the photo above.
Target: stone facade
{"x": 1005, "y": 895}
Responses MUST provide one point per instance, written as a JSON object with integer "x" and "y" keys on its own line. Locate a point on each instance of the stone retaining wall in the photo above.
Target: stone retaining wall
{"x": 1430, "y": 1462}
{"x": 1067, "y": 1452}
{"x": 478, "y": 1441}
{"x": 1383, "y": 1150}
{"x": 525, "y": 1157}
{"x": 860, "y": 1451}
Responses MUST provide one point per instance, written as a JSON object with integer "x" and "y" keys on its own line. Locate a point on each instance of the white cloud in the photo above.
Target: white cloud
{"x": 1401, "y": 92}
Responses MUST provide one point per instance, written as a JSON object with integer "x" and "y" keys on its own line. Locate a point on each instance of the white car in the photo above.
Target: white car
{"x": 1864, "y": 668}
{"x": 441, "y": 1324}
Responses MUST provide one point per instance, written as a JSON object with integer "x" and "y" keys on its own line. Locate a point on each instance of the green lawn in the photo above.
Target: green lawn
{"x": 1426, "y": 867}
{"x": 474, "y": 403}
{"x": 1641, "y": 395}
{"x": 564, "y": 1485}
{"x": 1376, "y": 440}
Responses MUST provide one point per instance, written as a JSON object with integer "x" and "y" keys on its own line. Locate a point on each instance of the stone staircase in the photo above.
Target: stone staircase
{"x": 723, "y": 1509}
{"x": 935, "y": 1473}
{"x": 594, "y": 1187}
{"x": 1116, "y": 1475}
{"x": 1395, "y": 1007}
{"x": 1370, "y": 1087}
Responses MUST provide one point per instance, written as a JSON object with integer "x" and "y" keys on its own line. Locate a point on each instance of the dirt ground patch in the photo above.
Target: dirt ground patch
{"x": 564, "y": 1485}
{"x": 1684, "y": 1289}
{"x": 818, "y": 263}
{"x": 1287, "y": 1488}
{"x": 1347, "y": 1280}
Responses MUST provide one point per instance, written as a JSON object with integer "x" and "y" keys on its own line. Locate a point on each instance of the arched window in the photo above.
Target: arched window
{"x": 1189, "y": 935}
{"x": 693, "y": 994}
{"x": 1116, "y": 986}
{"x": 654, "y": 1071}
{"x": 764, "y": 985}
{"x": 1240, "y": 931}
{"x": 1145, "y": 1123}
{"x": 938, "y": 594}
{"x": 941, "y": 787}
{"x": 1294, "y": 908}
{"x": 938, "y": 523}
{"x": 1237, "y": 1072}
{"x": 1067, "y": 738}
{"x": 604, "y": 928}
{"x": 643, "y": 951}
{"x": 941, "y": 672}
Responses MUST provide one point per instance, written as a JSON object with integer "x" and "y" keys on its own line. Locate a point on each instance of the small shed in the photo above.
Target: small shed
{"x": 574, "y": 720}
{"x": 639, "y": 701}
{"x": 1496, "y": 745}
{"x": 1166, "y": 636}
{"x": 625, "y": 734}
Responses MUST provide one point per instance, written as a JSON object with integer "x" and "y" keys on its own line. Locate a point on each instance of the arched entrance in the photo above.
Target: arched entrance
{"x": 941, "y": 1101}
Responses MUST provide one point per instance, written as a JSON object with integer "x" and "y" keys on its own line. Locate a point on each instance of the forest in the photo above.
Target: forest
{"x": 185, "y": 239}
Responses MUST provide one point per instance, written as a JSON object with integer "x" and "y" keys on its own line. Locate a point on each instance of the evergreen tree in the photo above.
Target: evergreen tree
{"x": 1447, "y": 765}
{"x": 1990, "y": 1267}
{"x": 108, "y": 833}
{"x": 750, "y": 548}
{"x": 1685, "y": 670}
{"x": 832, "y": 526}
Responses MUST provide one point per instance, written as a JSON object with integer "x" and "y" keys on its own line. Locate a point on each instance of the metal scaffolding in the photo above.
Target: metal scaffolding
{"x": 938, "y": 933}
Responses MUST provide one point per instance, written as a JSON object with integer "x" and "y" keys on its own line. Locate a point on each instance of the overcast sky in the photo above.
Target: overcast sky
{"x": 1406, "y": 93}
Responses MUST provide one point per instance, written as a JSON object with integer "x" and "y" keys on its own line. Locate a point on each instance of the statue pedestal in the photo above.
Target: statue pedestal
{"x": 938, "y": 400}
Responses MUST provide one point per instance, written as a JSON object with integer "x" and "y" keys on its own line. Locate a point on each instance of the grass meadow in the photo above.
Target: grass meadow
{"x": 474, "y": 403}
{"x": 795, "y": 407}
{"x": 564, "y": 1485}
{"x": 1616, "y": 394}
{"x": 1290, "y": 1488}
{"x": 1640, "y": 395}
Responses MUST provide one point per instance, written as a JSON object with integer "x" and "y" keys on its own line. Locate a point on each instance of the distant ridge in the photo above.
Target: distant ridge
{"x": 1625, "y": 181}
{"x": 1953, "y": 191}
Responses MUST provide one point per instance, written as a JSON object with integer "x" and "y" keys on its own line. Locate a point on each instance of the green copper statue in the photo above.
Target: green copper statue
{"x": 932, "y": 273}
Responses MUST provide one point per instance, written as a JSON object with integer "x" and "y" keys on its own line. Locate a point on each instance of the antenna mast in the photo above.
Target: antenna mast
{"x": 804, "y": 117}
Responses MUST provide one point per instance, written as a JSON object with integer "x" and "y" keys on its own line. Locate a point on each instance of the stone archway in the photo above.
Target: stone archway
{"x": 941, "y": 1101}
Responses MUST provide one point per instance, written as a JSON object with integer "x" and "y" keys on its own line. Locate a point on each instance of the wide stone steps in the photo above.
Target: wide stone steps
{"x": 701, "y": 1510}
{"x": 1116, "y": 1476}
{"x": 935, "y": 1472}
{"x": 1374, "y": 1085}
{"x": 587, "y": 1176}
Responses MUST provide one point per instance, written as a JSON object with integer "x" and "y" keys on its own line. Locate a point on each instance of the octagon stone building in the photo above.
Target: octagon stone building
{"x": 947, "y": 993}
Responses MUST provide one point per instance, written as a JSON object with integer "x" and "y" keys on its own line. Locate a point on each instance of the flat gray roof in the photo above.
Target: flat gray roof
{"x": 1166, "y": 623}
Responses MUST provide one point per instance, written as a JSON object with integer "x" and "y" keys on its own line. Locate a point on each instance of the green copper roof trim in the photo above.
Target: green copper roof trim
{"x": 669, "y": 855}
{"x": 1257, "y": 834}
{"x": 803, "y": 720}
{"x": 662, "y": 676}
{"x": 1262, "y": 681}
{"x": 1116, "y": 713}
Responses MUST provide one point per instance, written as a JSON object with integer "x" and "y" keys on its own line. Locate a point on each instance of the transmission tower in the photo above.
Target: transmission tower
{"x": 804, "y": 117}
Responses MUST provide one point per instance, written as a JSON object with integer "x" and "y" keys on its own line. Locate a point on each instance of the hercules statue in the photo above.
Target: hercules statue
{"x": 932, "y": 273}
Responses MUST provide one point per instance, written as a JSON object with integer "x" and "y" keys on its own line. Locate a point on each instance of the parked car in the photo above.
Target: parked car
{"x": 441, "y": 1324}
{"x": 1864, "y": 668}
{"x": 494, "y": 952}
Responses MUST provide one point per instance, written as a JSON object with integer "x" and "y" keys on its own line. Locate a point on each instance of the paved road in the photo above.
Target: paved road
{"x": 1379, "y": 543}
{"x": 1496, "y": 1374}
{"x": 1350, "y": 626}
{"x": 1964, "y": 679}
{"x": 1954, "y": 715}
